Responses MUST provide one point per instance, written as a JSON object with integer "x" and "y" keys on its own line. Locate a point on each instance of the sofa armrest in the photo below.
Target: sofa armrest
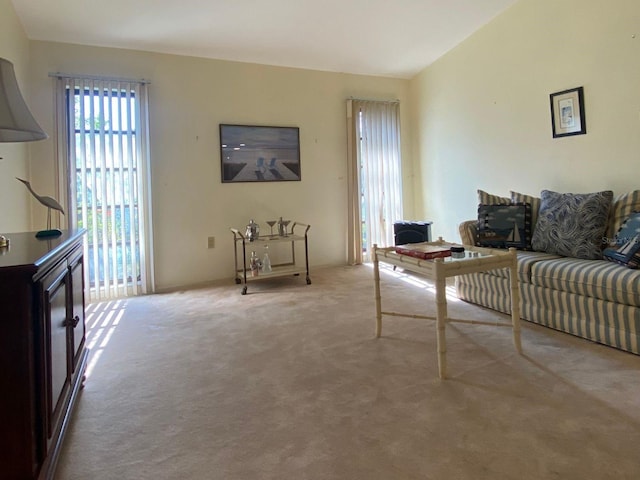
{"x": 468, "y": 230}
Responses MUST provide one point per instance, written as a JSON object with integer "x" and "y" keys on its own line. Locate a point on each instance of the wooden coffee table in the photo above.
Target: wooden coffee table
{"x": 477, "y": 259}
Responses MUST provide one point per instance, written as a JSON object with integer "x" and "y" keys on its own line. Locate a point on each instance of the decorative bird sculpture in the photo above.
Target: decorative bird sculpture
{"x": 49, "y": 203}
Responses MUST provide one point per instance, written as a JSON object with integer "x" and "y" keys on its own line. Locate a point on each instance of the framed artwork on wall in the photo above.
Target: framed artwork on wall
{"x": 567, "y": 113}
{"x": 253, "y": 153}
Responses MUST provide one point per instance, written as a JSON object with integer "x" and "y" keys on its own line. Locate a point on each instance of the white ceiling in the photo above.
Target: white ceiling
{"x": 395, "y": 38}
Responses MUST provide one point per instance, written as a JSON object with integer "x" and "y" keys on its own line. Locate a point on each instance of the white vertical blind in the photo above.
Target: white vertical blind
{"x": 104, "y": 131}
{"x": 378, "y": 156}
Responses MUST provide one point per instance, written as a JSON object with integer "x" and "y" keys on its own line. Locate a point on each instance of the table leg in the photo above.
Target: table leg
{"x": 515, "y": 302}
{"x": 441, "y": 323}
{"x": 376, "y": 280}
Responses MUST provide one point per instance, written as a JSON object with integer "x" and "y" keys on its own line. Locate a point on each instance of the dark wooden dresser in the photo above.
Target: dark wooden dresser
{"x": 42, "y": 349}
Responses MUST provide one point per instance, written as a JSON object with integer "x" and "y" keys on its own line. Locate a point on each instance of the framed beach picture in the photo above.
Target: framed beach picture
{"x": 253, "y": 153}
{"x": 567, "y": 113}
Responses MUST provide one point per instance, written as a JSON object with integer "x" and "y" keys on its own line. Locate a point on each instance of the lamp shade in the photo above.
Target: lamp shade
{"x": 16, "y": 122}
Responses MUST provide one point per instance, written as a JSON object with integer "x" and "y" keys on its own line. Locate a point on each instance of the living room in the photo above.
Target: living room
{"x": 478, "y": 117}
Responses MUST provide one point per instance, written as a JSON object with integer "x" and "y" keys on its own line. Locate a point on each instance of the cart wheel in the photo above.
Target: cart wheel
{"x": 244, "y": 290}
{"x": 308, "y": 281}
{"x": 238, "y": 281}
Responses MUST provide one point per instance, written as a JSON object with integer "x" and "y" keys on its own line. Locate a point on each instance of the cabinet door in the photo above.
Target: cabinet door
{"x": 76, "y": 264}
{"x": 57, "y": 358}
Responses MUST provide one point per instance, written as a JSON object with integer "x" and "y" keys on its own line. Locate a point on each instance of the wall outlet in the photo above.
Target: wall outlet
{"x": 211, "y": 242}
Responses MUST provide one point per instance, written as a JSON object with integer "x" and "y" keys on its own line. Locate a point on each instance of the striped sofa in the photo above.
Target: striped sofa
{"x": 593, "y": 299}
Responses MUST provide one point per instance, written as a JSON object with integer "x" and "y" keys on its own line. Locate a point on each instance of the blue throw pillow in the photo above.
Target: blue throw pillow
{"x": 572, "y": 224}
{"x": 627, "y": 243}
{"x": 504, "y": 226}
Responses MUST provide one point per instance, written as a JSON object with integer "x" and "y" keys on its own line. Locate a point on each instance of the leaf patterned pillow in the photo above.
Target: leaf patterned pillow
{"x": 571, "y": 224}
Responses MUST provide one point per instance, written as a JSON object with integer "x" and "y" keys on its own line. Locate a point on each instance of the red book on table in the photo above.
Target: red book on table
{"x": 423, "y": 251}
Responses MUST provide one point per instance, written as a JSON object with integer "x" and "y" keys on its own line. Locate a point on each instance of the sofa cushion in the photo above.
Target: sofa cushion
{"x": 526, "y": 260}
{"x": 531, "y": 200}
{"x": 572, "y": 224}
{"x": 490, "y": 199}
{"x": 623, "y": 206}
{"x": 592, "y": 278}
{"x": 504, "y": 226}
{"x": 626, "y": 250}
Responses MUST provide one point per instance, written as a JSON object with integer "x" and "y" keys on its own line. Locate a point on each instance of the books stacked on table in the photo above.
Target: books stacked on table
{"x": 423, "y": 251}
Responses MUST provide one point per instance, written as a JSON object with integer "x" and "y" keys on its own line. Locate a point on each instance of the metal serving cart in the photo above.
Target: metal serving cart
{"x": 242, "y": 248}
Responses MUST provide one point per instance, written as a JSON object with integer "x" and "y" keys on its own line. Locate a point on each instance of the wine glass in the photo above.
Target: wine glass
{"x": 285, "y": 223}
{"x": 271, "y": 223}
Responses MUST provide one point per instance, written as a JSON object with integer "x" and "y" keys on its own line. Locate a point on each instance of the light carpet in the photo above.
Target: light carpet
{"x": 289, "y": 382}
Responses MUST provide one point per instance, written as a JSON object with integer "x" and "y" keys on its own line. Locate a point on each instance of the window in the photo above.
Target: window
{"x": 375, "y": 175}
{"x": 105, "y": 140}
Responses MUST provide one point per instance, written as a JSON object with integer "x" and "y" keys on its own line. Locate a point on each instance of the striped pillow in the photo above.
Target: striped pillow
{"x": 485, "y": 198}
{"x": 623, "y": 206}
{"x": 531, "y": 200}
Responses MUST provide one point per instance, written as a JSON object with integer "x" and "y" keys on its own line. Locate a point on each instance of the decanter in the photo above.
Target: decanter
{"x": 266, "y": 261}
{"x": 254, "y": 264}
{"x": 253, "y": 230}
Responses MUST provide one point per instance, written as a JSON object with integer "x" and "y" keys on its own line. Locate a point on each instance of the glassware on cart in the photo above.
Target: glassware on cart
{"x": 266, "y": 261}
{"x": 253, "y": 230}
{"x": 254, "y": 264}
{"x": 282, "y": 227}
{"x": 271, "y": 223}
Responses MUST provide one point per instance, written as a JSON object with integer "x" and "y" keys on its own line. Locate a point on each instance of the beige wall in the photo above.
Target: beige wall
{"x": 482, "y": 117}
{"x": 189, "y": 98}
{"x": 477, "y": 118}
{"x": 15, "y": 214}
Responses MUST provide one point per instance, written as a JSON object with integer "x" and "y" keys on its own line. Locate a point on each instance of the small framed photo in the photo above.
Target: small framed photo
{"x": 253, "y": 153}
{"x": 567, "y": 113}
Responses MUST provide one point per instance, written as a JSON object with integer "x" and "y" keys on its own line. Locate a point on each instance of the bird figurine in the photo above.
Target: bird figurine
{"x": 49, "y": 203}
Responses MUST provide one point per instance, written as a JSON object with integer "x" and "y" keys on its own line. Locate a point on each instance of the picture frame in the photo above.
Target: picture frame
{"x": 567, "y": 113}
{"x": 255, "y": 153}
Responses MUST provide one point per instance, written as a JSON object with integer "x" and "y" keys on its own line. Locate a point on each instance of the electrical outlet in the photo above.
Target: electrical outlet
{"x": 211, "y": 242}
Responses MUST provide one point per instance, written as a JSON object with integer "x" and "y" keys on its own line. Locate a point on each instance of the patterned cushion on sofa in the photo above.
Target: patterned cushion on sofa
{"x": 627, "y": 243}
{"x": 571, "y": 224}
{"x": 504, "y": 226}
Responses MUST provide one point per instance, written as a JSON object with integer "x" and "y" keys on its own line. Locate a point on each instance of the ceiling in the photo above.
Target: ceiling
{"x": 395, "y": 38}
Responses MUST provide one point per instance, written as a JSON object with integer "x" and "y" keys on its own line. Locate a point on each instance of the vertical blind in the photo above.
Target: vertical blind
{"x": 375, "y": 175}
{"x": 103, "y": 135}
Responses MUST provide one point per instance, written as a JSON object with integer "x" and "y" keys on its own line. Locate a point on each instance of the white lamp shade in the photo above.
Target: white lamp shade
{"x": 16, "y": 122}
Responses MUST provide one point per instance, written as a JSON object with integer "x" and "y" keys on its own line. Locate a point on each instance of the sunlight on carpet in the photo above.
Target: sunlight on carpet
{"x": 415, "y": 280}
{"x": 101, "y": 320}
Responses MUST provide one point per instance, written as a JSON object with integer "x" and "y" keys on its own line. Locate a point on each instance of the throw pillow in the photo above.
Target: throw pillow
{"x": 533, "y": 201}
{"x": 490, "y": 199}
{"x": 623, "y": 206}
{"x": 627, "y": 248}
{"x": 504, "y": 226}
{"x": 571, "y": 224}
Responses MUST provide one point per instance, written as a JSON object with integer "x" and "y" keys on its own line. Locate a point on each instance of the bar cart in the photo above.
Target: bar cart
{"x": 242, "y": 246}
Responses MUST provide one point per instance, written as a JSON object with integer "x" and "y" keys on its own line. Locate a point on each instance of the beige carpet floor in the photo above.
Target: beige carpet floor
{"x": 288, "y": 382}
